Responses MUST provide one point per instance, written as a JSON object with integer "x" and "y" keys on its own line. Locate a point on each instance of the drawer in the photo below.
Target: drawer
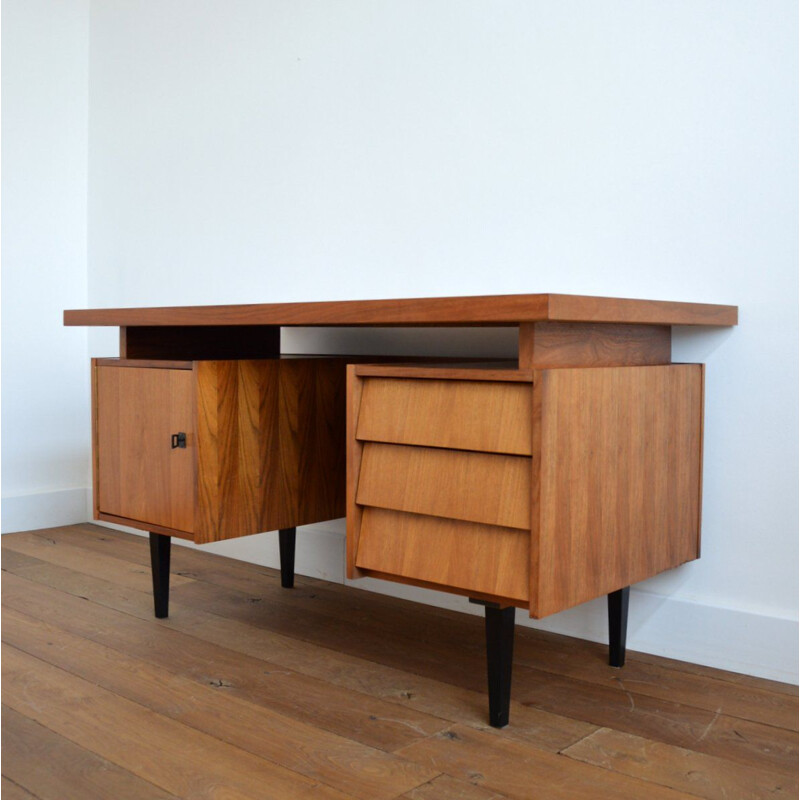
{"x": 488, "y": 416}
{"x": 475, "y": 487}
{"x": 264, "y": 442}
{"x": 481, "y": 559}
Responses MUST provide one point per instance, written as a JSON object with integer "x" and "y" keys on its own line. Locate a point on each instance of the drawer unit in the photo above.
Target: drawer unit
{"x": 541, "y": 489}
{"x": 209, "y": 450}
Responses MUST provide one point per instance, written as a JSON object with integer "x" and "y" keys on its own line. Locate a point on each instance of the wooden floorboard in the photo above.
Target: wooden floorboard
{"x": 249, "y": 690}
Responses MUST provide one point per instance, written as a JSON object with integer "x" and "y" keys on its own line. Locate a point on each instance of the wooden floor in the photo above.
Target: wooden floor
{"x": 253, "y": 691}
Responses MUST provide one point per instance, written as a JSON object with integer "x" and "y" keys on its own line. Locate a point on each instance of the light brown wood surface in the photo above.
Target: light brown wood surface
{"x": 233, "y": 630}
{"x": 270, "y": 445}
{"x": 592, "y": 344}
{"x": 477, "y": 487}
{"x": 619, "y": 479}
{"x": 484, "y": 559}
{"x": 139, "y": 475}
{"x": 466, "y": 415}
{"x": 489, "y": 310}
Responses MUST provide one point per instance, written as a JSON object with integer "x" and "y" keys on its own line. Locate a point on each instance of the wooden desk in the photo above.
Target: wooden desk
{"x": 564, "y": 476}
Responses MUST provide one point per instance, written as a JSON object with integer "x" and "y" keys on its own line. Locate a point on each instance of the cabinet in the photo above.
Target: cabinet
{"x": 262, "y": 446}
{"x": 540, "y": 489}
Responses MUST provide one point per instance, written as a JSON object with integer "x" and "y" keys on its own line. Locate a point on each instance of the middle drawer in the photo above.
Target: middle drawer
{"x": 457, "y": 484}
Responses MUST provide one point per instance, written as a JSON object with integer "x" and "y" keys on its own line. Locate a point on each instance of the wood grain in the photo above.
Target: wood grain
{"x": 487, "y": 310}
{"x": 405, "y": 701}
{"x": 192, "y": 342}
{"x": 247, "y": 642}
{"x": 477, "y": 487}
{"x": 463, "y": 555}
{"x": 13, "y": 791}
{"x": 270, "y": 445}
{"x": 140, "y": 740}
{"x": 53, "y": 767}
{"x": 511, "y": 768}
{"x": 492, "y": 417}
{"x": 591, "y": 344}
{"x": 139, "y": 475}
{"x": 335, "y": 761}
{"x": 735, "y": 694}
{"x": 620, "y": 475}
{"x": 680, "y": 768}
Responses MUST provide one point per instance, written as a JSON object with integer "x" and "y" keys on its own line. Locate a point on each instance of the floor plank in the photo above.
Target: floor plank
{"x": 333, "y": 760}
{"x": 250, "y": 690}
{"x": 358, "y": 716}
{"x": 518, "y": 771}
{"x": 52, "y": 767}
{"x": 173, "y": 756}
{"x": 134, "y": 576}
{"x": 400, "y": 688}
{"x": 679, "y": 768}
{"x": 446, "y": 788}
{"x": 765, "y": 701}
{"x": 13, "y": 791}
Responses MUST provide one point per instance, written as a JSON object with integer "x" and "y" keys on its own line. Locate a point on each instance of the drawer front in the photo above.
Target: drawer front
{"x": 139, "y": 475}
{"x": 465, "y": 556}
{"x": 474, "y": 487}
{"x": 487, "y": 416}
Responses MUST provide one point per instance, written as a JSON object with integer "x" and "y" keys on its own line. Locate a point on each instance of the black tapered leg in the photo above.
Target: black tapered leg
{"x": 159, "y": 563}
{"x": 617, "y": 626}
{"x": 286, "y": 542}
{"x": 499, "y": 654}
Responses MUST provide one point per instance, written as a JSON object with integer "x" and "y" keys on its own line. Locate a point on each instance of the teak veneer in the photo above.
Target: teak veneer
{"x": 567, "y": 474}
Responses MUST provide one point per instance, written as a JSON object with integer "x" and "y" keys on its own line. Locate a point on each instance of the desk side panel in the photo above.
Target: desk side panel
{"x": 619, "y": 479}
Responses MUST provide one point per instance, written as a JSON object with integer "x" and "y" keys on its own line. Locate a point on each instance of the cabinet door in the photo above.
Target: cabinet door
{"x": 140, "y": 475}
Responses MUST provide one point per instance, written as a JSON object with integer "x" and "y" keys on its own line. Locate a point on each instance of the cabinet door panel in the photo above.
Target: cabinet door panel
{"x": 140, "y": 476}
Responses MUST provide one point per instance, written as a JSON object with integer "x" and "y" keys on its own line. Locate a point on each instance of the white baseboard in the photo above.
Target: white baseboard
{"x": 725, "y": 638}
{"x": 28, "y": 512}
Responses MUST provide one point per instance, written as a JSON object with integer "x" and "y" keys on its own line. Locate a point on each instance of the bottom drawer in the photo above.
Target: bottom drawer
{"x": 483, "y": 559}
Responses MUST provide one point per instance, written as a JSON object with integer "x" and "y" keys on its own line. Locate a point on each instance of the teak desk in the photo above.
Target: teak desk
{"x": 542, "y": 483}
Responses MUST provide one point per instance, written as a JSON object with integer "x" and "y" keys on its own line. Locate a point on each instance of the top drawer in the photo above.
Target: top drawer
{"x": 487, "y": 416}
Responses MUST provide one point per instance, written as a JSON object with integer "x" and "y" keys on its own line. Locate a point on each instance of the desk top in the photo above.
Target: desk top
{"x": 510, "y": 309}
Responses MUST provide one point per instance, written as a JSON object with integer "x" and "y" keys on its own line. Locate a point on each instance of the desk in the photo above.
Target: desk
{"x": 563, "y": 476}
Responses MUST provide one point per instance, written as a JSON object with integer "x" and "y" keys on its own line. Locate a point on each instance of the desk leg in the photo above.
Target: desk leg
{"x": 499, "y": 655}
{"x": 159, "y": 563}
{"x": 617, "y": 626}
{"x": 286, "y": 542}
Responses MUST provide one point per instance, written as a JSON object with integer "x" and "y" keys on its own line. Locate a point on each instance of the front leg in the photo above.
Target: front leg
{"x": 286, "y": 544}
{"x": 617, "y": 626}
{"x": 159, "y": 564}
{"x": 499, "y": 657}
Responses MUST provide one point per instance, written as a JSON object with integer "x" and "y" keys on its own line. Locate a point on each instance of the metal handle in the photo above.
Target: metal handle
{"x": 178, "y": 440}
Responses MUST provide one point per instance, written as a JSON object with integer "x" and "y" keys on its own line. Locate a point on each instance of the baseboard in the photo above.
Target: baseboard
{"x": 27, "y": 512}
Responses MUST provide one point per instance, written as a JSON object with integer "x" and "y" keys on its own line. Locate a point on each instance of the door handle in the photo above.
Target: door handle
{"x": 178, "y": 440}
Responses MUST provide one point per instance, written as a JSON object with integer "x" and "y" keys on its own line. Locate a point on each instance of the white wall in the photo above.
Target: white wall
{"x": 252, "y": 151}
{"x": 45, "y": 400}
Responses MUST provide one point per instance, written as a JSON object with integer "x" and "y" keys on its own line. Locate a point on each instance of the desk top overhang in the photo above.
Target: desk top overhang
{"x": 497, "y": 310}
